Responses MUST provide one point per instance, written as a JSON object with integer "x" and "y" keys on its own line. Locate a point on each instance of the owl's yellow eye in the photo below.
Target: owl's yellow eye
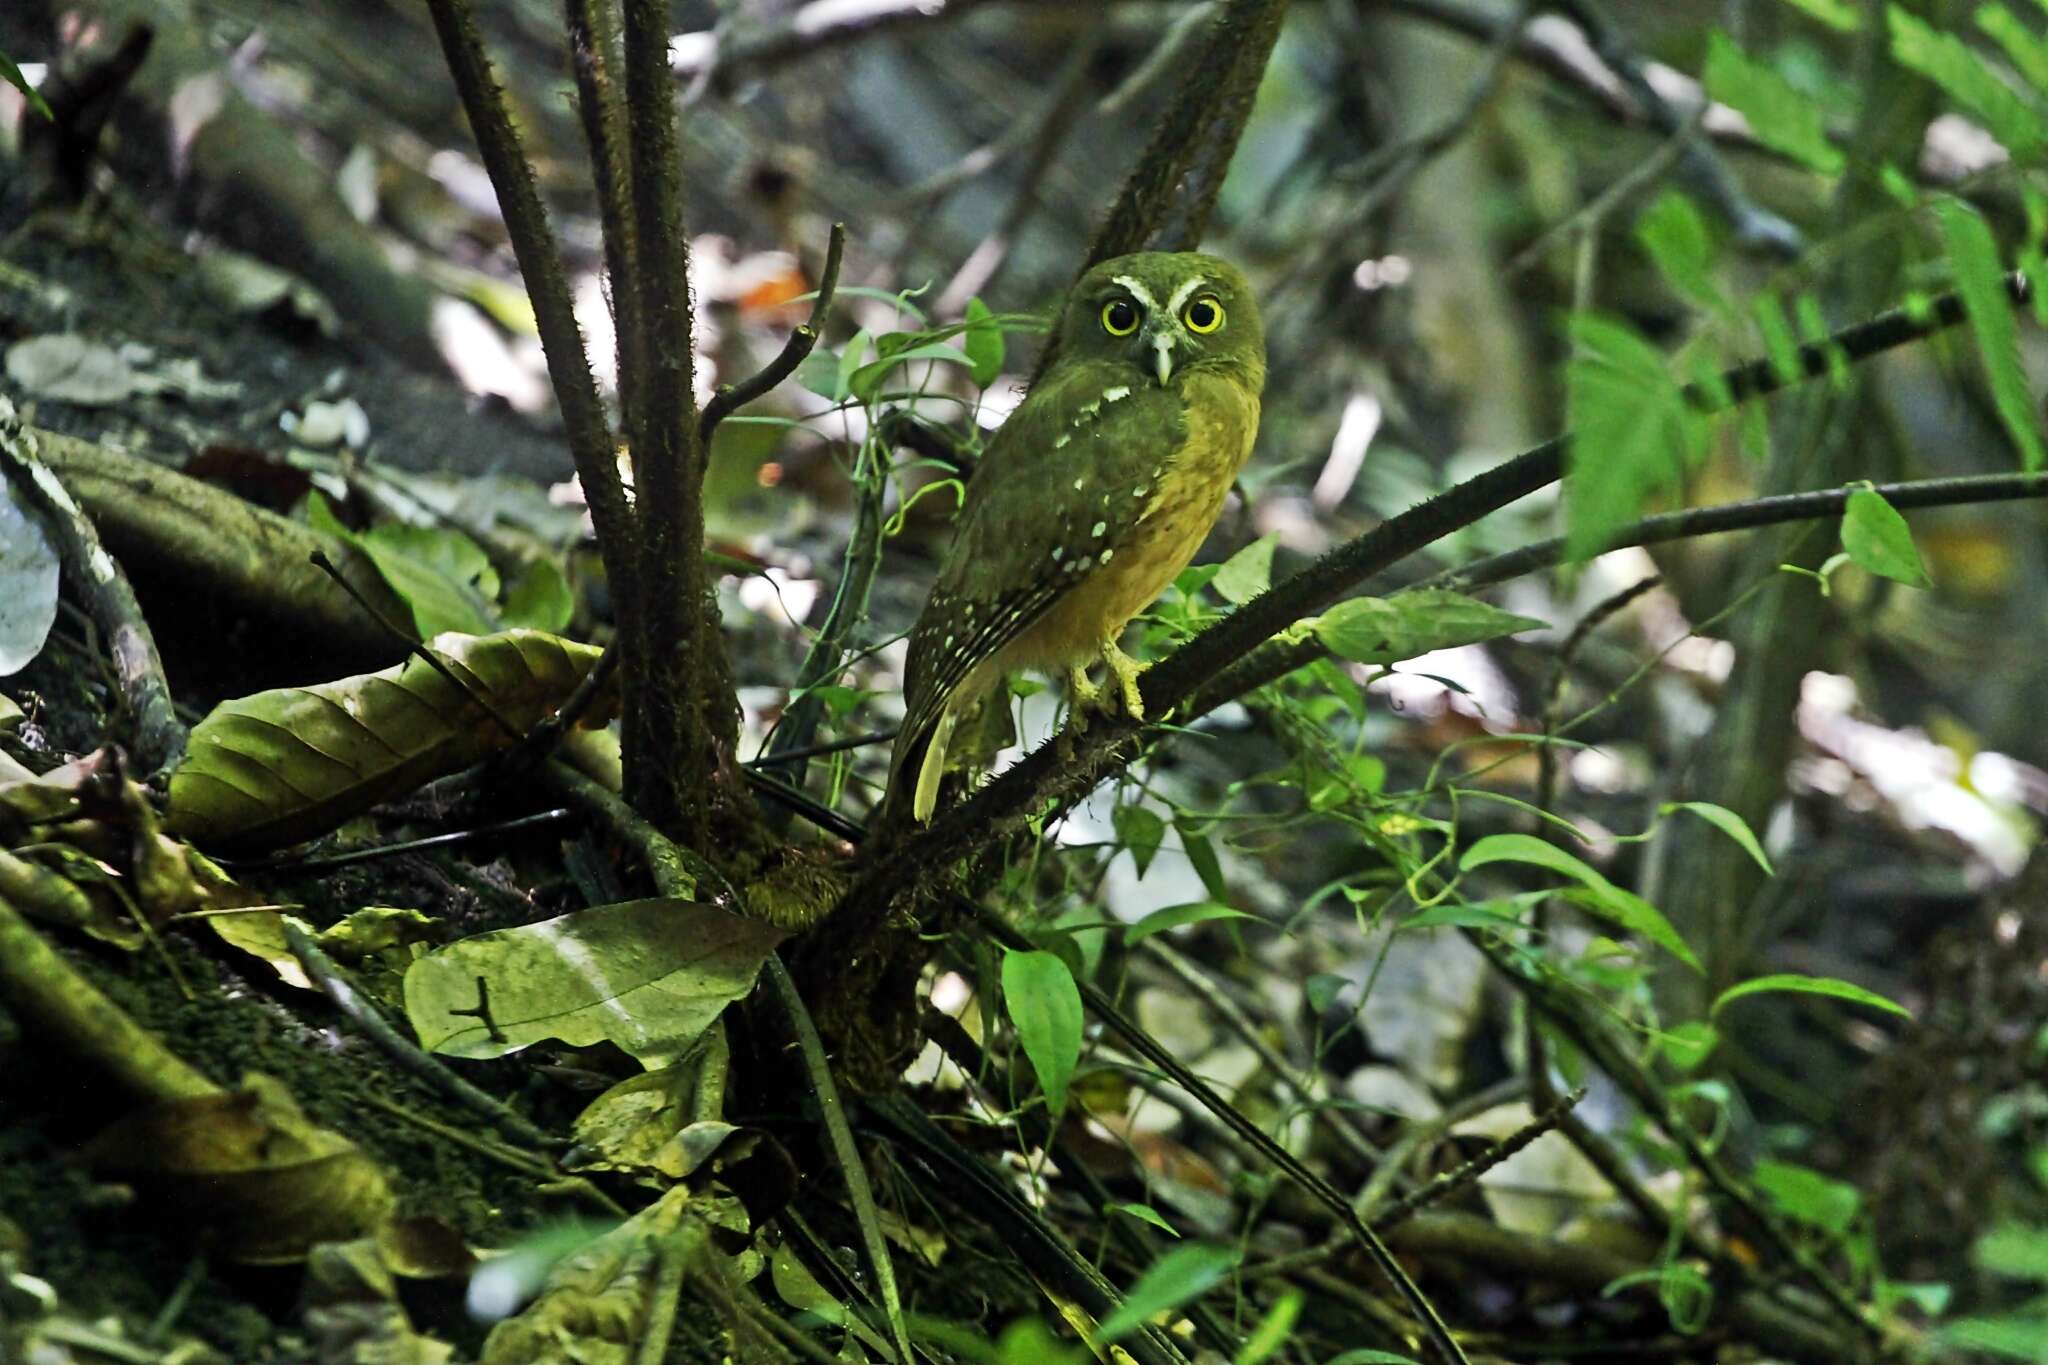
{"x": 1204, "y": 315}
{"x": 1119, "y": 317}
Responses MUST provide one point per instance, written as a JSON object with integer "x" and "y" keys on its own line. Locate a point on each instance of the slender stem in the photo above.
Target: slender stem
{"x": 730, "y": 398}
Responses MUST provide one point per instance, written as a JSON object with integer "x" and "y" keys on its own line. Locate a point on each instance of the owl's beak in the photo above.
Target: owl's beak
{"x": 1162, "y": 357}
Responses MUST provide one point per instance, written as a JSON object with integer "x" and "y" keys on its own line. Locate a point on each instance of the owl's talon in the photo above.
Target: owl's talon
{"x": 1125, "y": 670}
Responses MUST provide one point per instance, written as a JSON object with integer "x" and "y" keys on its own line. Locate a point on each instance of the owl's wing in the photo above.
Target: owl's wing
{"x": 1070, "y": 473}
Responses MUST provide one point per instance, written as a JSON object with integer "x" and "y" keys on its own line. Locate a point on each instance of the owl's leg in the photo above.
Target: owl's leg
{"x": 1125, "y": 670}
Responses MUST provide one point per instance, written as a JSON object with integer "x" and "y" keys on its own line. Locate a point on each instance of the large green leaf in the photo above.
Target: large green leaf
{"x": 1386, "y": 630}
{"x": 1876, "y": 537}
{"x": 1181, "y": 1276}
{"x": 1044, "y": 1005}
{"x": 648, "y": 976}
{"x": 1980, "y": 279}
{"x": 1782, "y": 118}
{"x": 439, "y": 573}
{"x": 285, "y": 765}
{"x": 1806, "y": 985}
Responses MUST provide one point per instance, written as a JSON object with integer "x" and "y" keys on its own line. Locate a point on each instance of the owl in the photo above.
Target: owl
{"x": 1089, "y": 500}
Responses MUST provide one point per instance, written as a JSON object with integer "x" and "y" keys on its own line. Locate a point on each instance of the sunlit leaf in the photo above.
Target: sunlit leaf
{"x": 2027, "y": 53}
{"x": 1273, "y": 1331}
{"x": 1807, "y": 1196}
{"x": 1674, "y": 232}
{"x": 648, "y": 976}
{"x": 1144, "y": 1213}
{"x": 1044, "y": 1005}
{"x": 2018, "y": 1250}
{"x": 1877, "y": 538}
{"x": 1633, "y": 431}
{"x": 437, "y": 572}
{"x": 1806, "y": 985}
{"x": 1839, "y": 15}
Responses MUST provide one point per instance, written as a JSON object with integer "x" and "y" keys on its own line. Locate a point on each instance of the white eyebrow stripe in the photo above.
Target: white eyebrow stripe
{"x": 1138, "y": 291}
{"x": 1180, "y": 295}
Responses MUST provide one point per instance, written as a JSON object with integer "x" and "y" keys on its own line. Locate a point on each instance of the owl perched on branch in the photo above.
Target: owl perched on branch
{"x": 1089, "y": 500}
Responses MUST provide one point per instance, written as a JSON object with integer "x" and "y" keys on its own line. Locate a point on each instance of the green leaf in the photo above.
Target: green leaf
{"x": 1141, "y": 831}
{"x": 1247, "y": 573}
{"x": 11, "y": 73}
{"x": 648, "y": 976}
{"x": 1730, "y": 824}
{"x": 1689, "y": 1044}
{"x": 28, "y": 580}
{"x": 1980, "y": 280}
{"x": 277, "y": 767}
{"x": 1782, "y": 119}
{"x": 1633, "y": 431}
{"x": 1947, "y": 61}
{"x": 440, "y": 574}
{"x": 1877, "y": 537}
{"x": 1273, "y": 1332}
{"x": 1493, "y": 916}
{"x": 1044, "y": 1005}
{"x": 2017, "y": 1250}
{"x": 866, "y": 381}
{"x": 1144, "y": 1213}
{"x": 1838, "y": 15}
{"x": 1323, "y": 989}
{"x": 1174, "y": 916}
{"x": 1805, "y": 985}
{"x": 539, "y": 599}
{"x": 1202, "y": 856}
{"x": 2027, "y": 53}
{"x": 982, "y": 341}
{"x": 1674, "y": 233}
{"x": 1386, "y": 630}
{"x": 818, "y": 372}
{"x": 1808, "y": 1196}
{"x": 1601, "y": 897}
{"x": 1774, "y": 329}
{"x": 2017, "y": 1336}
{"x": 1181, "y": 1276}
{"x": 1366, "y": 1355}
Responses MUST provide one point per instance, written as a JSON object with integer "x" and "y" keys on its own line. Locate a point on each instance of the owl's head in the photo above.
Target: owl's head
{"x": 1166, "y": 313}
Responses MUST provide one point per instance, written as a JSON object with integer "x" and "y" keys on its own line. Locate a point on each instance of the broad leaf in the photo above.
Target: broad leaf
{"x": 434, "y": 571}
{"x": 2027, "y": 53}
{"x": 1044, "y": 1005}
{"x": 1674, "y": 232}
{"x": 1808, "y": 1196}
{"x": 1386, "y": 630}
{"x": 1877, "y": 538}
{"x": 1980, "y": 280}
{"x": 28, "y": 581}
{"x": 281, "y": 766}
{"x": 1806, "y": 985}
{"x": 1247, "y": 573}
{"x": 539, "y": 599}
{"x": 1596, "y": 894}
{"x": 649, "y": 976}
{"x": 1141, "y": 831}
{"x": 1782, "y": 118}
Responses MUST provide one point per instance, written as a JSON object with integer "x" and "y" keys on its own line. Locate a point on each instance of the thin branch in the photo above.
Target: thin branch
{"x": 594, "y": 52}
{"x": 158, "y": 736}
{"x": 730, "y": 398}
{"x": 540, "y": 264}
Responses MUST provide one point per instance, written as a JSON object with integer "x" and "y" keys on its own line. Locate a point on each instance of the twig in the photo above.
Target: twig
{"x": 676, "y": 870}
{"x": 541, "y": 740}
{"x": 1588, "y": 216}
{"x": 533, "y": 244}
{"x": 673, "y": 1254}
{"x": 839, "y": 1133}
{"x": 594, "y": 53}
{"x": 159, "y": 736}
{"x": 327, "y": 862}
{"x": 732, "y": 397}
{"x": 336, "y": 987}
{"x": 834, "y": 746}
{"x": 1451, "y": 1181}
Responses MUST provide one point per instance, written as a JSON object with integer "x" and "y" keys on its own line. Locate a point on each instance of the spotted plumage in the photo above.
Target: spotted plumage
{"x": 1095, "y": 493}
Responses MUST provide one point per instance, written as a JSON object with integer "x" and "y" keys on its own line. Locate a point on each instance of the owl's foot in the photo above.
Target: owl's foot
{"x": 1125, "y": 670}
